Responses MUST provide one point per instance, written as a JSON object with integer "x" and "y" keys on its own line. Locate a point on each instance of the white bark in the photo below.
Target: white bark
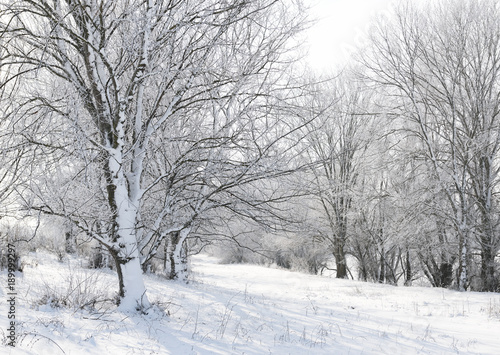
{"x": 126, "y": 248}
{"x": 178, "y": 260}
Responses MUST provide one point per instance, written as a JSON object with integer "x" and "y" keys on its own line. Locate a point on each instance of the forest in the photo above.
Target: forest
{"x": 137, "y": 134}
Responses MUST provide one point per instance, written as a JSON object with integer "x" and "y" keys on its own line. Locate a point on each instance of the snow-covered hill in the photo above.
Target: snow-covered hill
{"x": 244, "y": 309}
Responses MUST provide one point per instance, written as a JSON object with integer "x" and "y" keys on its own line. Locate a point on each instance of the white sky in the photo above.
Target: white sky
{"x": 341, "y": 24}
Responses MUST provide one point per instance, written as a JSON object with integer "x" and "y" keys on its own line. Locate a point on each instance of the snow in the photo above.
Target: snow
{"x": 246, "y": 309}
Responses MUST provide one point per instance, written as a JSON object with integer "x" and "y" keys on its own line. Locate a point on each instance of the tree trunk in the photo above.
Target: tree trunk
{"x": 340, "y": 241}
{"x": 462, "y": 267}
{"x": 408, "y": 269}
{"x": 178, "y": 255}
{"x": 381, "y": 275}
{"x": 132, "y": 291}
{"x": 124, "y": 203}
{"x": 340, "y": 260}
{"x": 490, "y": 282}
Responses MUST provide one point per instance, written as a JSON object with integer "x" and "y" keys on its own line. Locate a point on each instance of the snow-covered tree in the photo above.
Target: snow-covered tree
{"x": 337, "y": 144}
{"x": 440, "y": 65}
{"x": 14, "y": 155}
{"x": 158, "y": 111}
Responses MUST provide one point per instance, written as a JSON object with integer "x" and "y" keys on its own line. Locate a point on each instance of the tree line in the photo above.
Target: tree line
{"x": 158, "y": 128}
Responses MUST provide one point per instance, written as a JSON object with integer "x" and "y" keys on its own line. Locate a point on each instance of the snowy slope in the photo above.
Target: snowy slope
{"x": 247, "y": 309}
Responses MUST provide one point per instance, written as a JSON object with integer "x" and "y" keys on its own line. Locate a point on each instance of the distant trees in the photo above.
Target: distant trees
{"x": 337, "y": 142}
{"x": 407, "y": 172}
{"x": 151, "y": 114}
{"x": 440, "y": 68}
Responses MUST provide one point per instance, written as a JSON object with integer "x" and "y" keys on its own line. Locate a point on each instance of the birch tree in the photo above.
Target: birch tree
{"x": 148, "y": 90}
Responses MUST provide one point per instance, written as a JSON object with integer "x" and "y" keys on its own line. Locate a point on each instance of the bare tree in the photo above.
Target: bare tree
{"x": 337, "y": 143}
{"x": 440, "y": 66}
{"x": 139, "y": 98}
{"x": 13, "y": 153}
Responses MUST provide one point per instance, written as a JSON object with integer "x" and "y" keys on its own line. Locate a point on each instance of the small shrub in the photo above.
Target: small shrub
{"x": 17, "y": 236}
{"x": 80, "y": 290}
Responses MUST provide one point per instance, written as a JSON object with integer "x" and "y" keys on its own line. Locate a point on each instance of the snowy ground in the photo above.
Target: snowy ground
{"x": 246, "y": 309}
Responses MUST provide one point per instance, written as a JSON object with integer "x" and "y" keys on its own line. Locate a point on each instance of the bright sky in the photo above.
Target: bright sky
{"x": 341, "y": 24}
